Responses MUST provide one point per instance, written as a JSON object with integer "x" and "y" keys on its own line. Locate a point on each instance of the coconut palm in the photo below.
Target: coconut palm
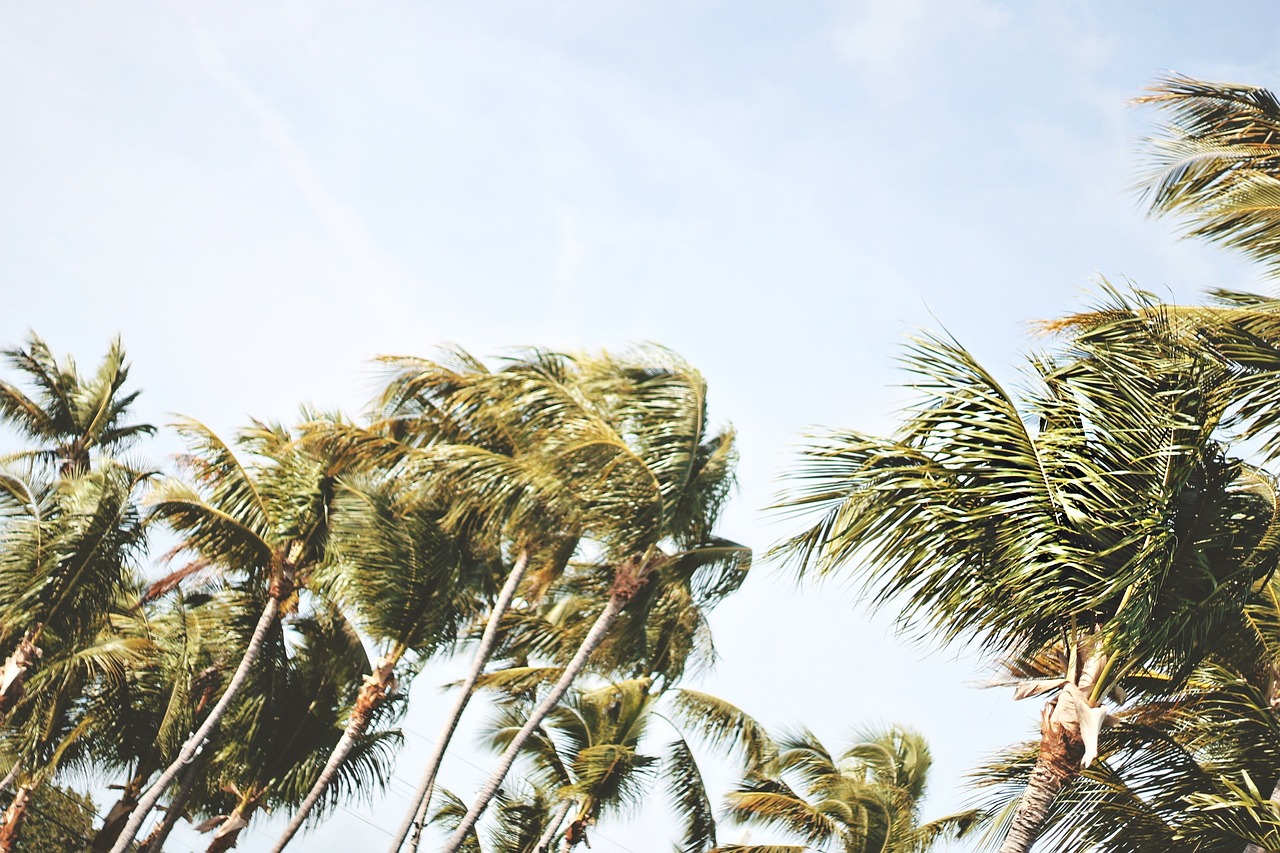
{"x": 412, "y": 586}
{"x": 1102, "y": 514}
{"x": 66, "y": 415}
{"x": 69, "y": 550}
{"x": 1216, "y": 164}
{"x": 596, "y": 753}
{"x": 521, "y": 453}
{"x": 867, "y": 799}
{"x": 651, "y": 484}
{"x": 264, "y": 522}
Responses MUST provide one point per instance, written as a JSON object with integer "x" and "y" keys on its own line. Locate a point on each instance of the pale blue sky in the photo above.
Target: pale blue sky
{"x": 261, "y": 197}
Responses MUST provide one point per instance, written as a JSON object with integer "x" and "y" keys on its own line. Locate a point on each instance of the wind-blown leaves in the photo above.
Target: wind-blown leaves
{"x": 1216, "y": 164}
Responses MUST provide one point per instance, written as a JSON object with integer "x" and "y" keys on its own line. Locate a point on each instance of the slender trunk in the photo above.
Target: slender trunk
{"x": 1253, "y": 848}
{"x": 589, "y": 644}
{"x": 416, "y": 816}
{"x": 265, "y": 623}
{"x": 13, "y": 819}
{"x": 1061, "y": 750}
{"x": 155, "y": 841}
{"x": 377, "y": 686}
{"x": 115, "y": 820}
{"x": 544, "y": 843}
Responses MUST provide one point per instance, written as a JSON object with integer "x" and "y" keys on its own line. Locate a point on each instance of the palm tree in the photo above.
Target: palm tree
{"x": 519, "y": 453}
{"x": 651, "y": 482}
{"x": 69, "y": 416}
{"x": 595, "y": 753}
{"x": 868, "y": 799}
{"x": 1119, "y": 528}
{"x": 1216, "y": 164}
{"x": 265, "y": 522}
{"x": 412, "y": 586}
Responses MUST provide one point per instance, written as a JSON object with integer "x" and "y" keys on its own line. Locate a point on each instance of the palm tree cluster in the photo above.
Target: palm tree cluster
{"x": 554, "y": 517}
{"x": 1108, "y": 534}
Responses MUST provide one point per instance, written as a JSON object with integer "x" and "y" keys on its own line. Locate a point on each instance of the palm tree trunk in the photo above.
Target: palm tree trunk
{"x": 544, "y": 843}
{"x": 416, "y": 815}
{"x": 265, "y": 623}
{"x": 154, "y": 842}
{"x": 114, "y": 822}
{"x": 13, "y": 819}
{"x": 229, "y": 833}
{"x": 622, "y": 594}
{"x": 374, "y": 692}
{"x": 1061, "y": 750}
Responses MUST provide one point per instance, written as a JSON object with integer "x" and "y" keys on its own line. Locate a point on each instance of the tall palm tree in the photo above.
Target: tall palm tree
{"x": 867, "y": 800}
{"x": 412, "y": 586}
{"x": 652, "y": 483}
{"x": 1216, "y": 164}
{"x": 50, "y": 730}
{"x": 1102, "y": 514}
{"x": 70, "y": 419}
{"x": 264, "y": 522}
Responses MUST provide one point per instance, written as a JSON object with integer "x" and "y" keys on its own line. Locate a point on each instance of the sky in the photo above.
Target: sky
{"x": 262, "y": 197}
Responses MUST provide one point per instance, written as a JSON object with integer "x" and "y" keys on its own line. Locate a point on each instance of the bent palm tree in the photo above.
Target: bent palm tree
{"x": 1120, "y": 528}
{"x": 288, "y": 725}
{"x": 412, "y": 586}
{"x": 266, "y": 522}
{"x": 652, "y": 484}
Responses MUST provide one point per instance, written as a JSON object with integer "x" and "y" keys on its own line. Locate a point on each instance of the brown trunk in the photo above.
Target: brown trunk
{"x": 115, "y": 820}
{"x": 13, "y": 819}
{"x": 1061, "y": 749}
{"x": 224, "y": 841}
{"x": 229, "y": 832}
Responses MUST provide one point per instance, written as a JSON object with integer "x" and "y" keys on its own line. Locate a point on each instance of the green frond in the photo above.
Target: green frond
{"x": 688, "y": 794}
{"x": 724, "y": 725}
